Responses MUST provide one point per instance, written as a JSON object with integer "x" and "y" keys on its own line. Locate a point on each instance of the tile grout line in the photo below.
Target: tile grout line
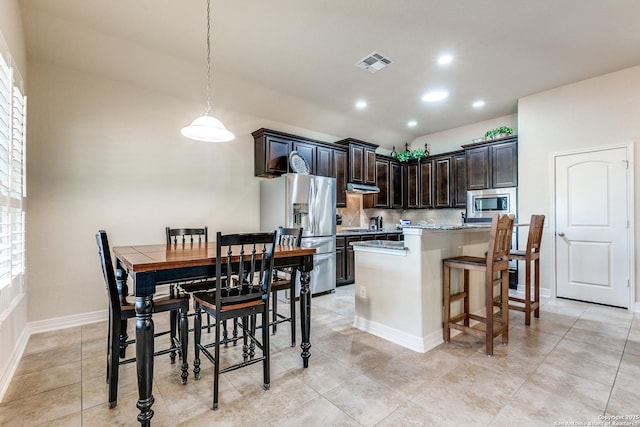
{"x": 606, "y": 406}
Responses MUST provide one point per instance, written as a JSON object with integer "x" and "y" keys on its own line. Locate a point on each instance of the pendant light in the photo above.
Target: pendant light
{"x": 208, "y": 128}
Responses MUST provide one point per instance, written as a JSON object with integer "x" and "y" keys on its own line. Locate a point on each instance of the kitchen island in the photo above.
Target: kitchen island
{"x": 398, "y": 293}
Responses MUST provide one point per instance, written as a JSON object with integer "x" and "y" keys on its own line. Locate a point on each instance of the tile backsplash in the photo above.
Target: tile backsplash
{"x": 354, "y": 216}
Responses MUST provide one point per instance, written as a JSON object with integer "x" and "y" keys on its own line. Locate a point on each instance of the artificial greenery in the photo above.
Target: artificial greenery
{"x": 406, "y": 155}
{"x": 502, "y": 129}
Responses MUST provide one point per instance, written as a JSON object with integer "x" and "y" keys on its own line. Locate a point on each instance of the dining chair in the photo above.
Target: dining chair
{"x": 285, "y": 279}
{"x": 189, "y": 236}
{"x": 531, "y": 254}
{"x": 244, "y": 264}
{"x": 121, "y": 308}
{"x": 496, "y": 262}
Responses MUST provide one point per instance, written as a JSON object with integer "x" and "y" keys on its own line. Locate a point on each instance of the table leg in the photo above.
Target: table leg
{"x": 305, "y": 316}
{"x": 144, "y": 358}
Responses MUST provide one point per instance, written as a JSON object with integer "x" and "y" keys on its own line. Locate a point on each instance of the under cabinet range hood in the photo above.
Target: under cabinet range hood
{"x": 362, "y": 188}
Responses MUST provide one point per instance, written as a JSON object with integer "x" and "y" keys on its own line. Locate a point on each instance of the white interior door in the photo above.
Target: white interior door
{"x": 592, "y": 251}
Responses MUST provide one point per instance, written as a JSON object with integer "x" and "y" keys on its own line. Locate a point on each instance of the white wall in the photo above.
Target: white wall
{"x": 592, "y": 113}
{"x": 105, "y": 154}
{"x": 13, "y": 303}
{"x": 452, "y": 139}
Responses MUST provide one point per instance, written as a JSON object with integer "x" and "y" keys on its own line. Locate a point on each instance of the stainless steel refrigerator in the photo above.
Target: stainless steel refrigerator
{"x": 307, "y": 201}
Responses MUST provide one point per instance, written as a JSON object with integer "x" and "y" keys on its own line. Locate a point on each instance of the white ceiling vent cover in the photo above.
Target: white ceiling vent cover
{"x": 374, "y": 62}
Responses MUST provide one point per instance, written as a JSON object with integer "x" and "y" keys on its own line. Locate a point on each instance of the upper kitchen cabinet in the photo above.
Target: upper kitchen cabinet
{"x": 396, "y": 185}
{"x": 362, "y": 161}
{"x": 459, "y": 179}
{"x": 340, "y": 165}
{"x": 492, "y": 164}
{"x": 271, "y": 152}
{"x": 324, "y": 161}
{"x": 442, "y": 182}
{"x": 504, "y": 161}
{"x": 425, "y": 180}
{"x": 419, "y": 184}
{"x": 308, "y": 152}
{"x": 389, "y": 181}
{"x": 382, "y": 199}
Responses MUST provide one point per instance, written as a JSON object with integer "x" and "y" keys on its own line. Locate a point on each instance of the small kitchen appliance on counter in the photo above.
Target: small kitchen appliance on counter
{"x": 375, "y": 223}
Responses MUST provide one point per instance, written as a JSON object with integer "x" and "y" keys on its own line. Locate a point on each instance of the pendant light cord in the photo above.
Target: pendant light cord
{"x": 208, "y": 57}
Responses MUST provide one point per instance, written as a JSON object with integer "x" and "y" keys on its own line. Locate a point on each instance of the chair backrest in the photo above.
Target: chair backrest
{"x": 535, "y": 234}
{"x": 288, "y": 236}
{"x": 184, "y": 235}
{"x": 245, "y": 274}
{"x": 500, "y": 240}
{"x": 107, "y": 271}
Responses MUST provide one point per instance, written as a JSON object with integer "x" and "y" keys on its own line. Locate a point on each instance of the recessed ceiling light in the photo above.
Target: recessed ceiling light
{"x": 478, "y": 104}
{"x": 445, "y": 59}
{"x": 361, "y": 105}
{"x": 412, "y": 123}
{"x": 436, "y": 95}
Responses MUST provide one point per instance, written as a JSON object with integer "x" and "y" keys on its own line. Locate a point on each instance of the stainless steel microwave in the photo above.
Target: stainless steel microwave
{"x": 483, "y": 204}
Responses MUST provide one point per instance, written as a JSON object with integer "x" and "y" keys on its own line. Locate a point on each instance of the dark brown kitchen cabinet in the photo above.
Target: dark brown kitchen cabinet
{"x": 324, "y": 161}
{"x": 478, "y": 168}
{"x": 340, "y": 165}
{"x": 383, "y": 182}
{"x": 459, "y": 179}
{"x": 442, "y": 182}
{"x": 271, "y": 153}
{"x": 350, "y": 268}
{"x": 382, "y": 199}
{"x": 504, "y": 163}
{"x": 426, "y": 184}
{"x": 362, "y": 161}
{"x": 340, "y": 259}
{"x": 396, "y": 185}
{"x": 413, "y": 185}
{"x": 308, "y": 152}
{"x": 370, "y": 172}
{"x": 492, "y": 164}
{"x": 419, "y": 185}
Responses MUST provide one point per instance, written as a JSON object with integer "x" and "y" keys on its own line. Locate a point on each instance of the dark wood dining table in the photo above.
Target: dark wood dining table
{"x": 152, "y": 265}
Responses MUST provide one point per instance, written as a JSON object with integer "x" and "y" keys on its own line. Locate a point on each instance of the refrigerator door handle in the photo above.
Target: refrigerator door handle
{"x": 312, "y": 207}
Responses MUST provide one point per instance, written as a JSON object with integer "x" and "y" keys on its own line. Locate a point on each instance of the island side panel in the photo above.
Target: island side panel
{"x": 402, "y": 296}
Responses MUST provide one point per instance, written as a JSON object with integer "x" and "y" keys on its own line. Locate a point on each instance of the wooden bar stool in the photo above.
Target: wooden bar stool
{"x": 496, "y": 261}
{"x": 532, "y": 253}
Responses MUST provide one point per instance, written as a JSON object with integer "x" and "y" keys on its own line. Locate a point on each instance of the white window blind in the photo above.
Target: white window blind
{"x": 12, "y": 176}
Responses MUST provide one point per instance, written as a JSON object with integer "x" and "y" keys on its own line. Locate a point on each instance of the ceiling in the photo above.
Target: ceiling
{"x": 503, "y": 50}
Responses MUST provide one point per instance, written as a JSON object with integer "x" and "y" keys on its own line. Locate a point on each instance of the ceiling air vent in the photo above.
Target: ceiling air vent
{"x": 373, "y": 62}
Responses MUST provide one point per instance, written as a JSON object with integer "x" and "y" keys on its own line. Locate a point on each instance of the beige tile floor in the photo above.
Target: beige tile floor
{"x": 578, "y": 362}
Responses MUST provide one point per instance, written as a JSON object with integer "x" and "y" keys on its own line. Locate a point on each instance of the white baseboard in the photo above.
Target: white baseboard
{"x": 67, "y": 321}
{"x": 16, "y": 355}
{"x": 635, "y": 307}
{"x": 412, "y": 342}
{"x": 44, "y": 326}
{"x": 544, "y": 292}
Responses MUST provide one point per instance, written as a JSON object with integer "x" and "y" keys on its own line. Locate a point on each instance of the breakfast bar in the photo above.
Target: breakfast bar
{"x": 398, "y": 293}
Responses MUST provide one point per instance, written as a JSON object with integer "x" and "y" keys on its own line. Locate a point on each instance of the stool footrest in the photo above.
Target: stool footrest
{"x": 458, "y": 296}
{"x": 458, "y": 318}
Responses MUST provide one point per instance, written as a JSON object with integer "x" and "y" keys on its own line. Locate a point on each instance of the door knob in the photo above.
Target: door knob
{"x": 561, "y": 234}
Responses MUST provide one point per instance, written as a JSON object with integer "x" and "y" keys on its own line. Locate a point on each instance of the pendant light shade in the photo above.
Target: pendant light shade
{"x": 207, "y": 128}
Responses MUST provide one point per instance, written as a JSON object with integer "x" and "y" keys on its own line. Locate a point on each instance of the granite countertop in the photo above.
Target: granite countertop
{"x": 359, "y": 231}
{"x": 381, "y": 244}
{"x": 445, "y": 227}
